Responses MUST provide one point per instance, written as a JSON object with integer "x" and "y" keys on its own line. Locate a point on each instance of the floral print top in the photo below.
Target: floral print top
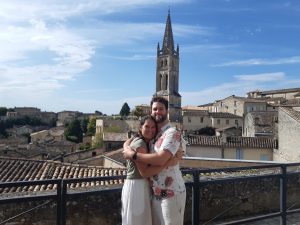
{"x": 169, "y": 180}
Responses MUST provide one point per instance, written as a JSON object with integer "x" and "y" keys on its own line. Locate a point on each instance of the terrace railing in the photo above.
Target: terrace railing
{"x": 63, "y": 192}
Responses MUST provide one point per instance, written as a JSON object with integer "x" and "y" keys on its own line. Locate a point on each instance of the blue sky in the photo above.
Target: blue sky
{"x": 89, "y": 55}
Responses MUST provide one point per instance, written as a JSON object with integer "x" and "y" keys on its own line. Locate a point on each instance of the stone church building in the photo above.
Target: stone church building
{"x": 167, "y": 73}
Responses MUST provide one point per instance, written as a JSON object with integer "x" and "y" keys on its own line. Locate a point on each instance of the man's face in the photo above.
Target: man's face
{"x": 159, "y": 112}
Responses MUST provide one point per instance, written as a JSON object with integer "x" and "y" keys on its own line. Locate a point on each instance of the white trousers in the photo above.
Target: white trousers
{"x": 169, "y": 211}
{"x": 136, "y": 209}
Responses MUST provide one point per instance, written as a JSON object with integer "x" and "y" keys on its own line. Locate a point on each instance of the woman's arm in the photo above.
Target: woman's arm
{"x": 147, "y": 170}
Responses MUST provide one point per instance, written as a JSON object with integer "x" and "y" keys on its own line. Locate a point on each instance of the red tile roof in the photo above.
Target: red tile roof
{"x": 292, "y": 113}
{"x": 246, "y": 142}
{"x": 31, "y": 170}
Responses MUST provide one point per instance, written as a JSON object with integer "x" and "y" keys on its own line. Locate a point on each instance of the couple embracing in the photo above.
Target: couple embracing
{"x": 154, "y": 190}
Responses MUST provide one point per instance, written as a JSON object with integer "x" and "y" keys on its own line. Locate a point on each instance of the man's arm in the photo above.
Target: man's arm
{"x": 160, "y": 158}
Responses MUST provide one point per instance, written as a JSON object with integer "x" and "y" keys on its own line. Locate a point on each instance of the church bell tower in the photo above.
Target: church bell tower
{"x": 167, "y": 73}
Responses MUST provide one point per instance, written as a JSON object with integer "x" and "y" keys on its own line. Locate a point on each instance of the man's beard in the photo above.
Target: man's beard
{"x": 160, "y": 119}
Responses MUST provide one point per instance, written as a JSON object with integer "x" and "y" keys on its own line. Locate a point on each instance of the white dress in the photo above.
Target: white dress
{"x": 136, "y": 208}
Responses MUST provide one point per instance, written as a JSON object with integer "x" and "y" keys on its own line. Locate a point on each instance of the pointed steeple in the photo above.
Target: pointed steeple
{"x": 168, "y": 41}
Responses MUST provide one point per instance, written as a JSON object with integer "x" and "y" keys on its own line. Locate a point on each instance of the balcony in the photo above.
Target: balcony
{"x": 264, "y": 194}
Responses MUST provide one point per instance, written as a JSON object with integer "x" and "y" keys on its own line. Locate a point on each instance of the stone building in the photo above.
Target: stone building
{"x": 245, "y": 148}
{"x": 197, "y": 119}
{"x": 221, "y": 119}
{"x": 27, "y": 111}
{"x": 239, "y": 105}
{"x": 290, "y": 93}
{"x": 167, "y": 73}
{"x": 144, "y": 108}
{"x": 288, "y": 135}
{"x": 64, "y": 117}
{"x": 263, "y": 123}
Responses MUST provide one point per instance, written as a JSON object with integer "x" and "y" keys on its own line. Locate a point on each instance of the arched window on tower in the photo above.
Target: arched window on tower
{"x": 161, "y": 80}
{"x": 161, "y": 63}
{"x": 166, "y": 62}
{"x": 166, "y": 82}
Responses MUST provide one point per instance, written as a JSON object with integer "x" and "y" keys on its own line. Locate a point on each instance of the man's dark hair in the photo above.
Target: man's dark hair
{"x": 161, "y": 100}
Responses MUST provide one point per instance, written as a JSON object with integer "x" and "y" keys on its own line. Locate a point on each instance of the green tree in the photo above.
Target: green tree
{"x": 84, "y": 124}
{"x": 98, "y": 141}
{"x": 209, "y": 131}
{"x": 73, "y": 131}
{"x": 98, "y": 113}
{"x": 125, "y": 110}
{"x": 3, "y": 111}
{"x": 91, "y": 127}
{"x": 138, "y": 111}
{"x": 3, "y": 129}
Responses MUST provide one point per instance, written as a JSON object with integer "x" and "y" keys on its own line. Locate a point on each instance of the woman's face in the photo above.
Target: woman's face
{"x": 148, "y": 130}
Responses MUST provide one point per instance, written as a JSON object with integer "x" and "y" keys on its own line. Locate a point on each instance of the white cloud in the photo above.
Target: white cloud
{"x": 259, "y": 62}
{"x": 239, "y": 87}
{"x": 19, "y": 11}
{"x": 264, "y": 77}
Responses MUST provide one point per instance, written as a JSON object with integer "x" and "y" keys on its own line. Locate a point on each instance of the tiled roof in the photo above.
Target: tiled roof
{"x": 31, "y": 170}
{"x": 266, "y": 121}
{"x": 116, "y": 155}
{"x": 191, "y": 107}
{"x": 245, "y": 99}
{"x": 247, "y": 142}
{"x": 292, "y": 102}
{"x": 195, "y": 113}
{"x": 292, "y": 113}
{"x": 280, "y": 91}
{"x": 205, "y": 105}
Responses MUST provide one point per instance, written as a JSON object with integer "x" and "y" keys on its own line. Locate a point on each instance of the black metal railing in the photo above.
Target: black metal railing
{"x": 196, "y": 183}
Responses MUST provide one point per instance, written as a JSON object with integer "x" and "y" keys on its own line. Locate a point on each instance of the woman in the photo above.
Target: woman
{"x": 136, "y": 208}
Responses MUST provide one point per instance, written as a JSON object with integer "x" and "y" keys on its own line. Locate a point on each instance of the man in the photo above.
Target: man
{"x": 169, "y": 194}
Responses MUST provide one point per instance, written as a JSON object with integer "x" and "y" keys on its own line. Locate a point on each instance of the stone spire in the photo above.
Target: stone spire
{"x": 168, "y": 41}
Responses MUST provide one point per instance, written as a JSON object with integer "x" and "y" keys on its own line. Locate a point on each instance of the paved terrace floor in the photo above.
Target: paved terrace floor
{"x": 293, "y": 219}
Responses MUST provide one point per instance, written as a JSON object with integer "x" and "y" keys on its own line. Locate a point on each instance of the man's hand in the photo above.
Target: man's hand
{"x": 127, "y": 142}
{"x": 172, "y": 162}
{"x": 179, "y": 154}
{"x": 128, "y": 152}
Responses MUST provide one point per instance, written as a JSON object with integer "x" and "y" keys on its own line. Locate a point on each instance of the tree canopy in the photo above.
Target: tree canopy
{"x": 125, "y": 110}
{"x": 91, "y": 127}
{"x": 3, "y": 111}
{"x": 73, "y": 131}
{"x": 138, "y": 111}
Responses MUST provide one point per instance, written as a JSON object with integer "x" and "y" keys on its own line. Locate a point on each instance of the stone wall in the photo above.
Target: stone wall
{"x": 288, "y": 134}
{"x": 239, "y": 198}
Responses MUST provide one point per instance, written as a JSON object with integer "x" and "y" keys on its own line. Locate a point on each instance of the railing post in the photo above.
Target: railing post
{"x": 283, "y": 190}
{"x": 58, "y": 203}
{"x": 64, "y": 202}
{"x": 195, "y": 197}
